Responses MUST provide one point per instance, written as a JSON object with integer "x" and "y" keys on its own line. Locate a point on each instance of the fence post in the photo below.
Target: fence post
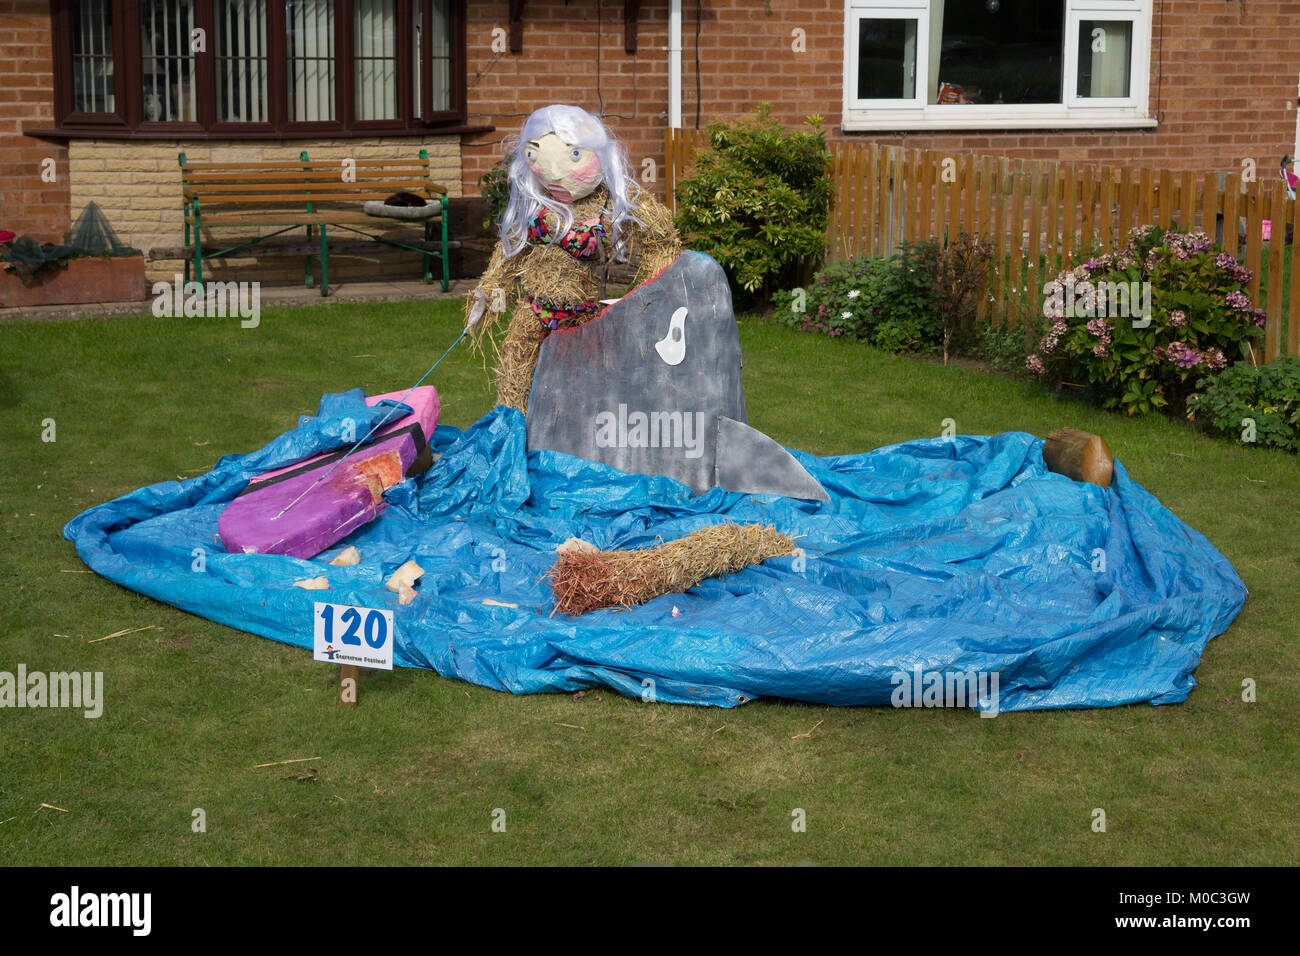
{"x": 1277, "y": 214}
{"x": 1209, "y": 207}
{"x": 1035, "y": 278}
{"x": 1254, "y": 241}
{"x": 1293, "y": 326}
{"x": 1187, "y": 194}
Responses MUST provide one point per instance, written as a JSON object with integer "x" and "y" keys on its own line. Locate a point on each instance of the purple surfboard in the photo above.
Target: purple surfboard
{"x": 350, "y": 497}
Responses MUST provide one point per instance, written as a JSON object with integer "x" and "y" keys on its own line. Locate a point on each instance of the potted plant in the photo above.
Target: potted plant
{"x": 93, "y": 266}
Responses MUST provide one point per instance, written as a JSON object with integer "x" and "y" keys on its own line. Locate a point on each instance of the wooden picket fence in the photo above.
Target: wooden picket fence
{"x": 1044, "y": 216}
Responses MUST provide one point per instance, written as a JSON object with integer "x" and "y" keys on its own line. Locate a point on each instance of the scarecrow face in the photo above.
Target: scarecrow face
{"x": 568, "y": 172}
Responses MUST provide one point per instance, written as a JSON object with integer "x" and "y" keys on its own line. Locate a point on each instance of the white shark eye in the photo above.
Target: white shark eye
{"x": 672, "y": 347}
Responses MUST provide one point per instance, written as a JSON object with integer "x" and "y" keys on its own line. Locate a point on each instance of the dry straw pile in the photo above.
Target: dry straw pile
{"x": 587, "y": 580}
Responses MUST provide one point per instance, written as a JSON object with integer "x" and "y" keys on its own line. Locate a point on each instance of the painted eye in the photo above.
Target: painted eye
{"x": 575, "y": 154}
{"x": 532, "y": 155}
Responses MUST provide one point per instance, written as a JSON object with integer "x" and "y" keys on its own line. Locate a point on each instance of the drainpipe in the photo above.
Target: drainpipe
{"x": 675, "y": 64}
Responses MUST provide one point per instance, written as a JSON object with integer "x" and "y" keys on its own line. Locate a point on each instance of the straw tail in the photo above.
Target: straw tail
{"x": 585, "y": 581}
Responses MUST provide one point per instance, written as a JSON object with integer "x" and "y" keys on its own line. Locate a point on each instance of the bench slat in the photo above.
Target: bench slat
{"x": 297, "y": 217}
{"x": 290, "y": 198}
{"x": 315, "y": 192}
{"x": 325, "y": 175}
{"x": 304, "y": 164}
{"x": 234, "y": 191}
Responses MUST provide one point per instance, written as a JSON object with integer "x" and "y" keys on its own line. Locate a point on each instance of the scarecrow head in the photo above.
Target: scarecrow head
{"x": 563, "y": 155}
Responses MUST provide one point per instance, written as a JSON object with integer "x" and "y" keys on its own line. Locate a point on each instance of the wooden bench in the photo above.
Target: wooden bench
{"x": 315, "y": 194}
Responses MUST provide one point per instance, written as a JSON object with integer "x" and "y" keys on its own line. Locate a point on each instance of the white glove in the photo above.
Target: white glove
{"x": 476, "y": 312}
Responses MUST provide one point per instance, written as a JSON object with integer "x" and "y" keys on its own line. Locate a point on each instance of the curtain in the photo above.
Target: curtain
{"x": 441, "y": 55}
{"x": 310, "y": 26}
{"x": 438, "y": 63}
{"x": 1108, "y": 54}
{"x": 374, "y": 54}
{"x": 241, "y": 61}
{"x": 936, "y": 47}
{"x": 166, "y": 61}
{"x": 92, "y": 57}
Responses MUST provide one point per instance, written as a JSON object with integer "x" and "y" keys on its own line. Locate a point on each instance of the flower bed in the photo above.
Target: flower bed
{"x": 1139, "y": 327}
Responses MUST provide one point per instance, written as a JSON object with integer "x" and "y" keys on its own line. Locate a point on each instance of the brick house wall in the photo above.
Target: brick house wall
{"x": 1223, "y": 86}
{"x": 561, "y": 45}
{"x": 1223, "y": 80}
{"x": 29, "y": 204}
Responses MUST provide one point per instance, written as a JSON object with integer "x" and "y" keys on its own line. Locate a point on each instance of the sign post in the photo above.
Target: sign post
{"x": 349, "y": 676}
{"x": 352, "y": 637}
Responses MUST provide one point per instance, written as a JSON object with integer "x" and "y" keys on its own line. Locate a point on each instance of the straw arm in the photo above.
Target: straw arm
{"x": 656, "y": 241}
{"x": 494, "y": 295}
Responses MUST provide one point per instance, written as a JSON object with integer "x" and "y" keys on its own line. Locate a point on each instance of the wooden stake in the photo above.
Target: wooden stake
{"x": 349, "y": 678}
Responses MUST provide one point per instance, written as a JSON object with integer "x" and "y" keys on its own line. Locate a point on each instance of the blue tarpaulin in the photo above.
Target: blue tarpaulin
{"x": 933, "y": 558}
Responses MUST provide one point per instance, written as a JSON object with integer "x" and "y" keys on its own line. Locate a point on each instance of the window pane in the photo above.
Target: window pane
{"x": 999, "y": 51}
{"x": 92, "y": 57}
{"x": 167, "y": 65}
{"x": 374, "y": 56}
{"x": 310, "y": 26}
{"x": 417, "y": 54}
{"x": 886, "y": 59}
{"x": 241, "y": 54}
{"x": 1105, "y": 52}
{"x": 441, "y": 55}
{"x": 438, "y": 64}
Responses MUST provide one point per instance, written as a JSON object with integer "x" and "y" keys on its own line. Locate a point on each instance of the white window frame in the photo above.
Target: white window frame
{"x": 918, "y": 10}
{"x": 1073, "y": 112}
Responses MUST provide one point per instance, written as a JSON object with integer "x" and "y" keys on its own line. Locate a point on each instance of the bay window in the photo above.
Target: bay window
{"x": 93, "y": 51}
{"x": 996, "y": 64}
{"x": 258, "y": 67}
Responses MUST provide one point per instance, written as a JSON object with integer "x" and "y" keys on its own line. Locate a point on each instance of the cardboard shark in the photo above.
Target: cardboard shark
{"x": 653, "y": 387}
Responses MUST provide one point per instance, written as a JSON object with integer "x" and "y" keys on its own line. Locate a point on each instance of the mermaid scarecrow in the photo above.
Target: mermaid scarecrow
{"x": 575, "y": 210}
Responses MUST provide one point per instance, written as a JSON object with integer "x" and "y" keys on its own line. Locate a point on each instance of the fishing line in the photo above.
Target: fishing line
{"x": 400, "y": 401}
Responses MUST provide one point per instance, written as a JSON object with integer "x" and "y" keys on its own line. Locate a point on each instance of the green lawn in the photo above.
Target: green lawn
{"x": 413, "y": 775}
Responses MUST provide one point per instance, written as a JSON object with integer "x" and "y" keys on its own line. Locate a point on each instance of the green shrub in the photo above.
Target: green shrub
{"x": 1259, "y": 405}
{"x": 758, "y": 201}
{"x": 957, "y": 270}
{"x": 1003, "y": 348}
{"x": 886, "y": 302}
{"x": 1187, "y": 315}
{"x": 494, "y": 187}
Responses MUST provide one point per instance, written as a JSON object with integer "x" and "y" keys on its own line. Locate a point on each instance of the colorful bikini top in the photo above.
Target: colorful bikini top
{"x": 582, "y": 241}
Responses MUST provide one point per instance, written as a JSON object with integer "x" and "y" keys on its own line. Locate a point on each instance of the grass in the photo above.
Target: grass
{"x": 414, "y": 774}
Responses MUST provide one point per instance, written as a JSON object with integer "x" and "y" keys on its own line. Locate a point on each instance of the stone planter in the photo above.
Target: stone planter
{"x": 89, "y": 279}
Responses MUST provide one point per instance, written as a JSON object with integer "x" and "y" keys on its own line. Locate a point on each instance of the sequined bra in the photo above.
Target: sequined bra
{"x": 582, "y": 241}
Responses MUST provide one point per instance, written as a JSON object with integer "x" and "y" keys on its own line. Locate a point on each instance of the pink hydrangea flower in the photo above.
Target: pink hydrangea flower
{"x": 1182, "y": 355}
